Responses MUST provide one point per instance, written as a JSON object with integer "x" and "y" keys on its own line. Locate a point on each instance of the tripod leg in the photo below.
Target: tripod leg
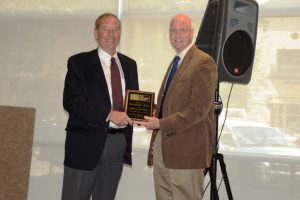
{"x": 225, "y": 176}
{"x": 214, "y": 192}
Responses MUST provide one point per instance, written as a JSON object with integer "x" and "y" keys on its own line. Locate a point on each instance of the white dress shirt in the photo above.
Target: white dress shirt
{"x": 105, "y": 62}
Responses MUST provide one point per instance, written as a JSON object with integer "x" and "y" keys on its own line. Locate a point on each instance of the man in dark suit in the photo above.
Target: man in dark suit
{"x": 98, "y": 132}
{"x": 182, "y": 141}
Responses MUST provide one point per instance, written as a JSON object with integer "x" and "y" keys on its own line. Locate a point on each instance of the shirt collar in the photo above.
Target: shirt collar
{"x": 105, "y": 56}
{"x": 184, "y": 51}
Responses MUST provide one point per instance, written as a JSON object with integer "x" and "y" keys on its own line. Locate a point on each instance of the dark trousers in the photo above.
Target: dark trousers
{"x": 102, "y": 182}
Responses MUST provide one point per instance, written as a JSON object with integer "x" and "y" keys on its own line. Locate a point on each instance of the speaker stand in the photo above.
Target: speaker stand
{"x": 217, "y": 157}
{"x": 212, "y": 174}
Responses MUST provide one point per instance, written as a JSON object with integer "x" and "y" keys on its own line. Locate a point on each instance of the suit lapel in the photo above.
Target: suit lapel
{"x": 99, "y": 73}
{"x": 125, "y": 69}
{"x": 185, "y": 63}
{"x": 182, "y": 67}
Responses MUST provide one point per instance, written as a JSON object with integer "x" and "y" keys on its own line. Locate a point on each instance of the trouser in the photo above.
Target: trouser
{"x": 175, "y": 184}
{"x": 101, "y": 182}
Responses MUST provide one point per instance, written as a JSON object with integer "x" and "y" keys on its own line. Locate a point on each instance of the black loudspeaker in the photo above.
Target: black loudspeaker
{"x": 228, "y": 33}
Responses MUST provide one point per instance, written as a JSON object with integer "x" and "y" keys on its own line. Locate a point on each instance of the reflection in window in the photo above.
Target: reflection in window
{"x": 259, "y": 136}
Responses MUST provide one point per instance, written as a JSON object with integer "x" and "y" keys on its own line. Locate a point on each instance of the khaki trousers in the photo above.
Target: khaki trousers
{"x": 175, "y": 184}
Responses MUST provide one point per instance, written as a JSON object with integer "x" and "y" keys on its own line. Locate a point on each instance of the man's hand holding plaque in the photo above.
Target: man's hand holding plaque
{"x": 139, "y": 104}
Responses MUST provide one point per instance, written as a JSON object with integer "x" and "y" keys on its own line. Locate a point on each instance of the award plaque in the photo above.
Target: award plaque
{"x": 139, "y": 104}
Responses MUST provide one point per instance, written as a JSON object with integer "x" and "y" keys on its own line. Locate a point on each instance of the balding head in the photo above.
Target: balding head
{"x": 181, "y": 32}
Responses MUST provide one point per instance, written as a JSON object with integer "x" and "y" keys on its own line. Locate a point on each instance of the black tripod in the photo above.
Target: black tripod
{"x": 217, "y": 157}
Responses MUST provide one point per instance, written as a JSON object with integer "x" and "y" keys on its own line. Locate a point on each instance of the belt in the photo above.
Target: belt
{"x": 114, "y": 130}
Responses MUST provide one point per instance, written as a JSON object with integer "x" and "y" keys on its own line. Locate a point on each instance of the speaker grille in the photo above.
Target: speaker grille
{"x": 238, "y": 53}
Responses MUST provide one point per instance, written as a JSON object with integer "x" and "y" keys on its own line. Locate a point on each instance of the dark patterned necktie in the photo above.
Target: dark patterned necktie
{"x": 171, "y": 75}
{"x": 116, "y": 86}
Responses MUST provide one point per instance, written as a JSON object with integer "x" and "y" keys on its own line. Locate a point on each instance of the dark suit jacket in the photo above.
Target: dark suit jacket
{"x": 86, "y": 99}
{"x": 187, "y": 123}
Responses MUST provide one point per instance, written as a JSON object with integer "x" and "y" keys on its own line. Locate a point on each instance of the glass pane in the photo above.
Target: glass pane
{"x": 146, "y": 38}
{"x": 38, "y": 37}
{"x": 17, "y": 6}
{"x": 141, "y": 6}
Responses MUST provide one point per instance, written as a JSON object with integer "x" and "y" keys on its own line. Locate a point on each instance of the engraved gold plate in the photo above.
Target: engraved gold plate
{"x": 139, "y": 104}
